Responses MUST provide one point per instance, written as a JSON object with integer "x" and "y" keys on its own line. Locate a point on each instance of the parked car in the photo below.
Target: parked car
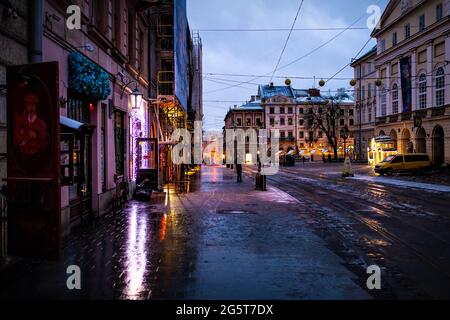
{"x": 416, "y": 162}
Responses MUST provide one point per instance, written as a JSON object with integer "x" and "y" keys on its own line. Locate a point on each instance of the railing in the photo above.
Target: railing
{"x": 393, "y": 118}
{"x": 421, "y": 113}
{"x": 380, "y": 120}
{"x": 406, "y": 116}
{"x": 437, "y": 111}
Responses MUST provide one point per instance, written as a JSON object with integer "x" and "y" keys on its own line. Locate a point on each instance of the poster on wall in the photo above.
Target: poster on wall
{"x": 33, "y": 174}
{"x": 405, "y": 69}
{"x": 181, "y": 53}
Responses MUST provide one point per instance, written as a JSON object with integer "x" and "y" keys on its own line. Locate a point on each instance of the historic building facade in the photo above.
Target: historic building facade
{"x": 412, "y": 62}
{"x": 290, "y": 110}
{"x": 112, "y": 49}
{"x": 16, "y": 49}
{"x": 365, "y": 104}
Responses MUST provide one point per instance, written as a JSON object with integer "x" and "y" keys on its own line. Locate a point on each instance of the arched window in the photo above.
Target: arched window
{"x": 383, "y": 101}
{"x": 440, "y": 87}
{"x": 394, "y": 99}
{"x": 422, "y": 91}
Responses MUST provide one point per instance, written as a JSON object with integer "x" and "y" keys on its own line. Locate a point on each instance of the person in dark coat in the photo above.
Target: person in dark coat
{"x": 239, "y": 172}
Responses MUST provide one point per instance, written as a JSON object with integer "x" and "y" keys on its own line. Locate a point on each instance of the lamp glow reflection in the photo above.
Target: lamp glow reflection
{"x": 136, "y": 254}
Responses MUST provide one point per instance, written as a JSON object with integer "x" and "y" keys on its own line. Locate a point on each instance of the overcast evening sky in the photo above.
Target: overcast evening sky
{"x": 257, "y": 53}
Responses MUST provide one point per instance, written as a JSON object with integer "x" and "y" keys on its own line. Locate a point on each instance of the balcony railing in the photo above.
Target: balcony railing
{"x": 381, "y": 120}
{"x": 437, "y": 111}
{"x": 393, "y": 118}
{"x": 406, "y": 116}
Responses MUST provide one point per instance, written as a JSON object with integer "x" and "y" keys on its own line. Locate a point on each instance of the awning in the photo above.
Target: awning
{"x": 70, "y": 125}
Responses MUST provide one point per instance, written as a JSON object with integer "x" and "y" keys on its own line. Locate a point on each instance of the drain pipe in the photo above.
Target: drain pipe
{"x": 36, "y": 31}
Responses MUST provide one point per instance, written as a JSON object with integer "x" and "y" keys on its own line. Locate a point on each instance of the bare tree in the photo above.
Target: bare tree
{"x": 326, "y": 117}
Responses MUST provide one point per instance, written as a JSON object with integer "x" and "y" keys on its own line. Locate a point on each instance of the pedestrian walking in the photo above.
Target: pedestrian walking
{"x": 303, "y": 159}
{"x": 329, "y": 157}
{"x": 239, "y": 172}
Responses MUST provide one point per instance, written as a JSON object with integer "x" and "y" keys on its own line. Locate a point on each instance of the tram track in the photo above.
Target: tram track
{"x": 382, "y": 219}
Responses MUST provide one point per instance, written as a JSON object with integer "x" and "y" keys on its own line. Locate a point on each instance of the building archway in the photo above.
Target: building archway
{"x": 393, "y": 135}
{"x": 438, "y": 146}
{"x": 421, "y": 141}
{"x": 405, "y": 140}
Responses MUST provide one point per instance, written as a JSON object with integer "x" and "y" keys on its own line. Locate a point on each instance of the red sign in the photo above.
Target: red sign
{"x": 34, "y": 206}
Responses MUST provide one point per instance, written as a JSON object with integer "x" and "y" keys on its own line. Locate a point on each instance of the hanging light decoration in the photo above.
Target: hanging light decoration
{"x": 353, "y": 82}
{"x": 322, "y": 83}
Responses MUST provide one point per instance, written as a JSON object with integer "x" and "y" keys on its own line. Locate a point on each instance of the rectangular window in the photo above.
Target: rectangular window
{"x": 281, "y": 110}
{"x": 320, "y": 134}
{"x": 272, "y": 122}
{"x": 290, "y": 110}
{"x": 301, "y": 122}
{"x": 439, "y": 49}
{"x": 439, "y": 12}
{"x": 341, "y": 112}
{"x": 282, "y": 121}
{"x": 272, "y": 110}
{"x": 363, "y": 93}
{"x": 300, "y": 110}
{"x": 342, "y": 122}
{"x": 422, "y": 56}
{"x": 407, "y": 31}
{"x": 351, "y": 122}
{"x": 290, "y": 135}
{"x": 350, "y": 112}
{"x": 239, "y": 122}
{"x": 421, "y": 23}
{"x": 363, "y": 71}
{"x": 381, "y": 46}
{"x": 290, "y": 122}
{"x": 282, "y": 134}
{"x": 394, "y": 39}
{"x": 249, "y": 122}
{"x": 369, "y": 90}
{"x": 258, "y": 122}
{"x": 301, "y": 134}
{"x": 370, "y": 114}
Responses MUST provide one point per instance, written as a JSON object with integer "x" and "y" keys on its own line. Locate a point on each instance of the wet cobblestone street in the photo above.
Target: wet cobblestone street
{"x": 219, "y": 241}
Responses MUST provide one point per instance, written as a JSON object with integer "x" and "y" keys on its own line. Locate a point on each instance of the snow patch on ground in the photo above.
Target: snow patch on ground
{"x": 404, "y": 183}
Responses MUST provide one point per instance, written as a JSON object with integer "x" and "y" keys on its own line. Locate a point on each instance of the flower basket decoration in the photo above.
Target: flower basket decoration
{"x": 88, "y": 79}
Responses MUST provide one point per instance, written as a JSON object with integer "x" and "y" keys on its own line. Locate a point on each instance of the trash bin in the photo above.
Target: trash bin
{"x": 260, "y": 182}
